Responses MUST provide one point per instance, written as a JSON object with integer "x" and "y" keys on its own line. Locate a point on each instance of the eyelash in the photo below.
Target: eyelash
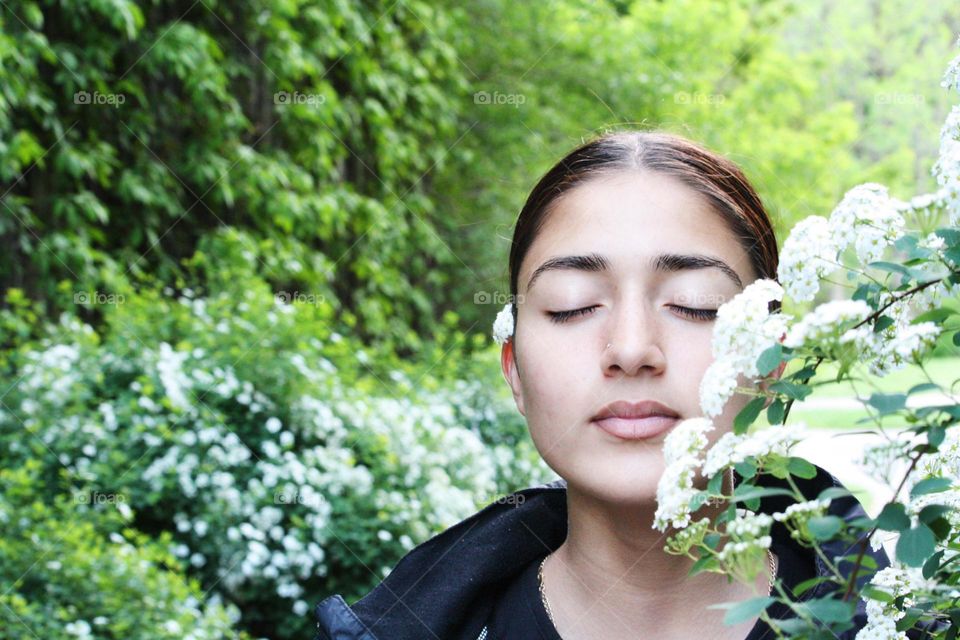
{"x": 560, "y": 317}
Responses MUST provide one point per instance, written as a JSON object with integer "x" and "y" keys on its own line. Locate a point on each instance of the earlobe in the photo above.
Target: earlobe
{"x": 508, "y": 366}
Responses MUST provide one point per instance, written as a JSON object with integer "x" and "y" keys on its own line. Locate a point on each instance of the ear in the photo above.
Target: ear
{"x": 508, "y": 365}
{"x": 775, "y": 374}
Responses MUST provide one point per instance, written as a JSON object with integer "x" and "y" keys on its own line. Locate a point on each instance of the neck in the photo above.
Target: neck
{"x": 612, "y": 572}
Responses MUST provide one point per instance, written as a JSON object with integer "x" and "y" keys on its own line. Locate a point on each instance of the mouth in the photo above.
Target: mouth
{"x": 636, "y": 420}
{"x": 637, "y": 428}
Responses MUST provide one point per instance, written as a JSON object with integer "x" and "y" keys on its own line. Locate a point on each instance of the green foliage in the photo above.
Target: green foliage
{"x": 276, "y": 458}
{"x": 73, "y": 567}
{"x": 131, "y": 132}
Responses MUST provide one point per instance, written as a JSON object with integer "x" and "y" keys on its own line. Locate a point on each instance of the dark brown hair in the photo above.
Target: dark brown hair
{"x": 710, "y": 174}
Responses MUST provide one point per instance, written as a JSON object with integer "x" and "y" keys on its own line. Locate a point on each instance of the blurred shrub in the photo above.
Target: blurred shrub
{"x": 71, "y": 567}
{"x": 284, "y": 461}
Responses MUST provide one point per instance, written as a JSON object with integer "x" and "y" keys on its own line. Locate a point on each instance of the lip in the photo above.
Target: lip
{"x": 636, "y": 420}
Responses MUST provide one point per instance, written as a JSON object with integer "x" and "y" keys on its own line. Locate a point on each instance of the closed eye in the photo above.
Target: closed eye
{"x": 560, "y": 317}
{"x": 697, "y": 314}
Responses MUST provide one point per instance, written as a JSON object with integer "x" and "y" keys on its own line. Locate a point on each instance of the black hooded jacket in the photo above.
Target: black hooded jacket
{"x": 446, "y": 587}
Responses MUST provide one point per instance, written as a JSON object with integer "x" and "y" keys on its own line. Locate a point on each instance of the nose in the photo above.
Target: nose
{"x": 635, "y": 342}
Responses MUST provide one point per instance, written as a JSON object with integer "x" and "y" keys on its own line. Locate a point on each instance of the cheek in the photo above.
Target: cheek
{"x": 557, "y": 381}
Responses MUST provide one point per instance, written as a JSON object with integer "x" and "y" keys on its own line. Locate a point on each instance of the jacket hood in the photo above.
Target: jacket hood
{"x": 445, "y": 587}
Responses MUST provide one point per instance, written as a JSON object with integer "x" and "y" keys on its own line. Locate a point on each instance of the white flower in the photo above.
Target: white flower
{"x": 896, "y": 580}
{"x": 172, "y": 377}
{"x": 896, "y": 345}
{"x": 808, "y": 254}
{"x": 503, "y": 325}
{"x": 947, "y": 167}
{"x": 273, "y": 424}
{"x": 731, "y": 449}
{"x": 823, "y": 322}
{"x": 744, "y": 329}
{"x": 749, "y": 532}
{"x": 718, "y": 384}
{"x": 80, "y": 628}
{"x": 951, "y": 77}
{"x": 869, "y": 218}
{"x": 681, "y": 455}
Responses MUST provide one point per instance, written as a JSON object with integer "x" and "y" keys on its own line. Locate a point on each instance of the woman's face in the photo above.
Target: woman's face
{"x": 566, "y": 374}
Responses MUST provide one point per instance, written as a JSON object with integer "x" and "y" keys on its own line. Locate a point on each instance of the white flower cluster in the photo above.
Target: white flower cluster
{"x": 280, "y": 482}
{"x": 945, "y": 463}
{"x": 870, "y": 219}
{"x": 866, "y": 217}
{"x": 796, "y": 516}
{"x": 951, "y": 77}
{"x": 947, "y": 167}
{"x": 808, "y": 254}
{"x": 503, "y": 325}
{"x": 896, "y": 580}
{"x": 895, "y": 346}
{"x": 681, "y": 452}
{"x": 749, "y": 532}
{"x": 731, "y": 449}
{"x": 743, "y": 554}
{"x": 744, "y": 329}
{"x": 823, "y": 323}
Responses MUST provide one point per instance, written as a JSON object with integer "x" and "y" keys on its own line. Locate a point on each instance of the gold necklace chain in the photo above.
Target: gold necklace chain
{"x": 771, "y": 558}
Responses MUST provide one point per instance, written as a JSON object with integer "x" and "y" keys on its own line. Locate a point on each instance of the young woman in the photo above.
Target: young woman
{"x": 621, "y": 256}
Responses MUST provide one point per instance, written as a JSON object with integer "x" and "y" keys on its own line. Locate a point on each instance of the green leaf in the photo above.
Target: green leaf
{"x": 882, "y": 323}
{"x": 824, "y": 527}
{"x": 874, "y": 593}
{"x": 746, "y": 469}
{"x": 748, "y": 492}
{"x": 892, "y": 267}
{"x": 775, "y": 411}
{"x": 893, "y": 517}
{"x": 748, "y": 414}
{"x": 935, "y": 435}
{"x": 916, "y": 545}
{"x": 930, "y": 485}
{"x": 932, "y": 564}
{"x": 923, "y": 386}
{"x": 801, "y": 468}
{"x": 888, "y": 402}
{"x": 716, "y": 483}
{"x": 937, "y": 315}
{"x": 743, "y": 611}
{"x": 834, "y": 492}
{"x": 791, "y": 390}
{"x": 770, "y": 359}
{"x": 829, "y": 609}
{"x": 705, "y": 563}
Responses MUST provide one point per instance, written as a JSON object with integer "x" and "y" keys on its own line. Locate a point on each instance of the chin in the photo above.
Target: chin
{"x": 625, "y": 479}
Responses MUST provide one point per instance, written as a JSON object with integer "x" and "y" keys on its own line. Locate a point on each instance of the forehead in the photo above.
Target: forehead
{"x": 630, "y": 217}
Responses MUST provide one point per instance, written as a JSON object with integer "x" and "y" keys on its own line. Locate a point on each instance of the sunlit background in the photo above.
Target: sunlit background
{"x": 252, "y": 252}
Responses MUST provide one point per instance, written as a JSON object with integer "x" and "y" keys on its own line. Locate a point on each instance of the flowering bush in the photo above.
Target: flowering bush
{"x": 232, "y": 431}
{"x": 900, "y": 309}
{"x": 75, "y": 569}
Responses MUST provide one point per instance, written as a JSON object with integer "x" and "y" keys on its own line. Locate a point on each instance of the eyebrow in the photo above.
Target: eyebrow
{"x": 664, "y": 262}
